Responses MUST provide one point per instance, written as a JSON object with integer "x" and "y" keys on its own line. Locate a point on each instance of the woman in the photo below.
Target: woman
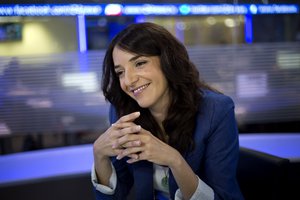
{"x": 171, "y": 135}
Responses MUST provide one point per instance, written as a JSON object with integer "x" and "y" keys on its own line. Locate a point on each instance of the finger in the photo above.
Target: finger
{"x": 129, "y": 130}
{"x": 125, "y": 121}
{"x": 130, "y": 152}
{"x": 120, "y": 125}
{"x": 125, "y": 139}
{"x": 136, "y": 143}
{"x": 119, "y": 134}
{"x": 118, "y": 151}
{"x": 134, "y": 158}
{"x": 128, "y": 145}
{"x": 121, "y": 138}
{"x": 129, "y": 118}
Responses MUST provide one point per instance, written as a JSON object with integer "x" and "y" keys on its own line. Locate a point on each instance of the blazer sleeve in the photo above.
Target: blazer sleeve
{"x": 124, "y": 175}
{"x": 222, "y": 151}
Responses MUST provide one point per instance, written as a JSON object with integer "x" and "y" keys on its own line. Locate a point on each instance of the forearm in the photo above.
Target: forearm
{"x": 185, "y": 177}
{"x": 103, "y": 169}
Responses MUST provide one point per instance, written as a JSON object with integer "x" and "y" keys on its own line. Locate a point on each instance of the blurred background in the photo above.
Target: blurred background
{"x": 51, "y": 55}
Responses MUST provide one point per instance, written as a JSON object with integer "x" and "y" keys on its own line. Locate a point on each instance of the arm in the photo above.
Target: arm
{"x": 103, "y": 168}
{"x": 110, "y": 190}
{"x": 118, "y": 188}
{"x": 184, "y": 176}
{"x": 104, "y": 153}
{"x": 156, "y": 151}
{"x": 203, "y": 192}
{"x": 222, "y": 152}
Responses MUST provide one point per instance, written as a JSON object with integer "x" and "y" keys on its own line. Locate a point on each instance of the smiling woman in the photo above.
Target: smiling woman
{"x": 142, "y": 79}
{"x": 172, "y": 135}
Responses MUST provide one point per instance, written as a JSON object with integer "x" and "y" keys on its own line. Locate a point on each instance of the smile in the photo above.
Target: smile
{"x": 139, "y": 89}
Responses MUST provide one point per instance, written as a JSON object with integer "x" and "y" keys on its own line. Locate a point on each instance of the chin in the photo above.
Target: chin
{"x": 143, "y": 104}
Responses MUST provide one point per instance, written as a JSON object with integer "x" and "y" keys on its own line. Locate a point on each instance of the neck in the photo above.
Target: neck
{"x": 160, "y": 116}
{"x": 160, "y": 110}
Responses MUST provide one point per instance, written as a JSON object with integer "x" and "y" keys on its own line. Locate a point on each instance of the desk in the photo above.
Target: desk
{"x": 285, "y": 145}
{"x": 40, "y": 164}
{"x": 78, "y": 159}
{"x": 66, "y": 170}
{"x": 58, "y": 173}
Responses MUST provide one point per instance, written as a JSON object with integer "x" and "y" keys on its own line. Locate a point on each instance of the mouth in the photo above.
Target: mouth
{"x": 138, "y": 90}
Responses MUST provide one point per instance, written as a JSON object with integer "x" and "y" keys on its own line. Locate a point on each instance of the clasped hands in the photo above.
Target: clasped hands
{"x": 125, "y": 138}
{"x": 127, "y": 142}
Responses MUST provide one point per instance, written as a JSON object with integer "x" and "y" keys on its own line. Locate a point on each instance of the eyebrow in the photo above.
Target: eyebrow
{"x": 130, "y": 60}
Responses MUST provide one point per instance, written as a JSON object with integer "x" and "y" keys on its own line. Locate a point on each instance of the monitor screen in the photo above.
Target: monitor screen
{"x": 10, "y": 31}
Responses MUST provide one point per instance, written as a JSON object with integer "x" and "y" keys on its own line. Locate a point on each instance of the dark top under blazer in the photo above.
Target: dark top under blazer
{"x": 214, "y": 158}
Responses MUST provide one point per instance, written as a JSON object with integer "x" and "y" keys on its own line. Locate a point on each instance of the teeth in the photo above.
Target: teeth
{"x": 140, "y": 88}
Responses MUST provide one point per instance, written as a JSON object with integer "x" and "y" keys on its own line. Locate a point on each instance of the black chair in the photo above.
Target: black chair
{"x": 262, "y": 176}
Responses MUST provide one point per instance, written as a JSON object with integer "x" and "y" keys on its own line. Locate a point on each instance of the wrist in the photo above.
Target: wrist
{"x": 101, "y": 158}
{"x": 176, "y": 161}
{"x": 98, "y": 157}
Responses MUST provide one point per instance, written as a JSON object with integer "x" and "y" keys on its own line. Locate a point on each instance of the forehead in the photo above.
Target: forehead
{"x": 120, "y": 55}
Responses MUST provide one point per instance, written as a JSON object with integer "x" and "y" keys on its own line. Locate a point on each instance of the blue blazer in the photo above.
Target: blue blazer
{"x": 214, "y": 158}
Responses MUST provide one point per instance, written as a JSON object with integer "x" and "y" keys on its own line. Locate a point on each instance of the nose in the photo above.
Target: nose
{"x": 130, "y": 77}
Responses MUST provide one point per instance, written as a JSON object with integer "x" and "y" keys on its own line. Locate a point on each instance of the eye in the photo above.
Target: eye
{"x": 140, "y": 63}
{"x": 119, "y": 73}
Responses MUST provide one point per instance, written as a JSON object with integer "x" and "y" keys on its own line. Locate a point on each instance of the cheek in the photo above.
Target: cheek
{"x": 122, "y": 85}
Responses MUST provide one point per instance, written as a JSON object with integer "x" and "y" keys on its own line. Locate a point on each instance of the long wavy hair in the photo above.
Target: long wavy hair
{"x": 149, "y": 39}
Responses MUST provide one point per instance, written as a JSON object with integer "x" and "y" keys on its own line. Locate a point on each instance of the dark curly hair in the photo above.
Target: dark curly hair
{"x": 149, "y": 39}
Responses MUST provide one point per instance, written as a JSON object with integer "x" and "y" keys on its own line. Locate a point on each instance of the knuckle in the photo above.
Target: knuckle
{"x": 117, "y": 133}
{"x": 122, "y": 119}
{"x": 133, "y": 128}
{"x": 126, "y": 137}
{"x": 122, "y": 131}
{"x": 129, "y": 144}
{"x": 147, "y": 139}
{"x": 147, "y": 153}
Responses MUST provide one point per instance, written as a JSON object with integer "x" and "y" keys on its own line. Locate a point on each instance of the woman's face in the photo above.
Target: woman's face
{"x": 142, "y": 79}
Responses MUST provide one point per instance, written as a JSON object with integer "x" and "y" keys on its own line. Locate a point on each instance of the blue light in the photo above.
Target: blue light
{"x": 140, "y": 19}
{"x": 113, "y": 9}
{"x": 145, "y": 9}
{"x": 184, "y": 9}
{"x": 248, "y": 29}
{"x": 218, "y": 9}
{"x": 253, "y": 9}
{"x": 50, "y": 10}
{"x": 278, "y": 9}
{"x": 81, "y": 34}
{"x": 150, "y": 9}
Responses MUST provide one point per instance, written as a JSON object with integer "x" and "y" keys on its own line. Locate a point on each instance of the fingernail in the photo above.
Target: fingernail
{"x": 118, "y": 157}
{"x": 137, "y": 128}
{"x": 129, "y": 161}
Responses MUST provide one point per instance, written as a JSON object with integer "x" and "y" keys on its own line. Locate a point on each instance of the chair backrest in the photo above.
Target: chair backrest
{"x": 262, "y": 176}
